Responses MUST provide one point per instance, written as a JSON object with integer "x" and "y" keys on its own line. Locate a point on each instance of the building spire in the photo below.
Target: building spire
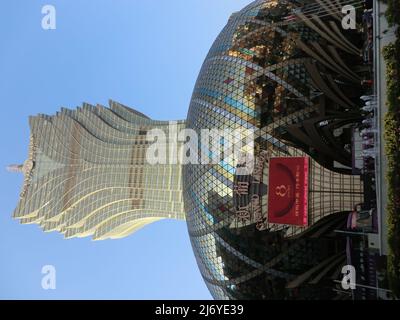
{"x": 15, "y": 168}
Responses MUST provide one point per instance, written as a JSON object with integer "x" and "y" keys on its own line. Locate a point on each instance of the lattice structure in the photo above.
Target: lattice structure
{"x": 284, "y": 70}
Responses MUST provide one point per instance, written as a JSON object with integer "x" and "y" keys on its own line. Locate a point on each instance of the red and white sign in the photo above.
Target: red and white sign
{"x": 288, "y": 191}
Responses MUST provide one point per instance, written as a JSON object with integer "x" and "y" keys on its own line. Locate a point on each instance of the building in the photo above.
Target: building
{"x": 286, "y": 71}
{"x": 87, "y": 174}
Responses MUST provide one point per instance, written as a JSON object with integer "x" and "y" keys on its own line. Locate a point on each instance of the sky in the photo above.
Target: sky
{"x": 145, "y": 54}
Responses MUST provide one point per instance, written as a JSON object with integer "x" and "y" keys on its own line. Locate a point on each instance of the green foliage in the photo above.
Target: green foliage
{"x": 391, "y": 54}
{"x": 393, "y": 12}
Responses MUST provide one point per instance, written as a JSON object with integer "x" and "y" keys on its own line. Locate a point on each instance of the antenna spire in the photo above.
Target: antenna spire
{"x": 15, "y": 168}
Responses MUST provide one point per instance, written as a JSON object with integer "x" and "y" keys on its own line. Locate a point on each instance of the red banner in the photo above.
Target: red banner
{"x": 288, "y": 191}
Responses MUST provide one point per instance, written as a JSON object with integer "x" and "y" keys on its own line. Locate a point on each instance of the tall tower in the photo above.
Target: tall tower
{"x": 86, "y": 174}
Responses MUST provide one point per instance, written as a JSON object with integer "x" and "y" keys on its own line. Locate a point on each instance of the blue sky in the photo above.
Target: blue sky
{"x": 145, "y": 54}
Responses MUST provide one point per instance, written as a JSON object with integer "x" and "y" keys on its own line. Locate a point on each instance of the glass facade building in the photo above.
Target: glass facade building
{"x": 285, "y": 71}
{"x": 281, "y": 69}
{"x": 87, "y": 174}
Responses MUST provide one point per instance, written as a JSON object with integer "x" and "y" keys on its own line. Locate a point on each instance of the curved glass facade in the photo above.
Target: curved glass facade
{"x": 280, "y": 69}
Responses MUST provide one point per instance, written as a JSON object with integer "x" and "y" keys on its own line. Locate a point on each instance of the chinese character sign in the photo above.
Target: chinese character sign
{"x": 288, "y": 191}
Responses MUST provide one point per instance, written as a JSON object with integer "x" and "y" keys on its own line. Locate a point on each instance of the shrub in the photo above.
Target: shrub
{"x": 391, "y": 55}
